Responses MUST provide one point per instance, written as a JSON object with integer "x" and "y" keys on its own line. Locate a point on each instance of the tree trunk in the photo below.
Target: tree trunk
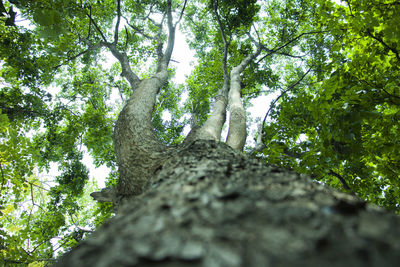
{"x": 210, "y": 206}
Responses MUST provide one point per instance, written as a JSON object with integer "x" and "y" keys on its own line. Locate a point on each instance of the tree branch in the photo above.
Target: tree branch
{"x": 260, "y": 142}
{"x": 342, "y": 180}
{"x": 123, "y": 59}
{"x": 26, "y": 262}
{"x": 284, "y": 92}
{"x": 97, "y": 27}
{"x": 212, "y": 127}
{"x": 141, "y": 31}
{"x": 77, "y": 226}
{"x": 215, "y": 5}
{"x": 69, "y": 59}
{"x": 181, "y": 15}
{"x": 237, "y": 123}
{"x": 273, "y": 51}
{"x": 380, "y": 40}
{"x": 225, "y": 88}
{"x": 33, "y": 200}
{"x": 118, "y": 21}
{"x": 3, "y": 179}
{"x": 171, "y": 34}
{"x": 126, "y": 38}
{"x": 90, "y": 22}
{"x": 158, "y": 39}
{"x": 266, "y": 49}
{"x": 348, "y": 4}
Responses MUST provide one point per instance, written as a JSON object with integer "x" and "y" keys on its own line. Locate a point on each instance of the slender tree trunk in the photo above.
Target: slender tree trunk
{"x": 209, "y": 205}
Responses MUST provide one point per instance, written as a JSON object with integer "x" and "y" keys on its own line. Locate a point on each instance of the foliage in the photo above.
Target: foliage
{"x": 344, "y": 123}
{"x": 336, "y": 65}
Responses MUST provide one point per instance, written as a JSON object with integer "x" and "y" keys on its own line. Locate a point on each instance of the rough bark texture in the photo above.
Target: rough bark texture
{"x": 138, "y": 151}
{"x": 212, "y": 206}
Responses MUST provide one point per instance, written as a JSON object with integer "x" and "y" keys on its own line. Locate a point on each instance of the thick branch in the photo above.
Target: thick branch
{"x": 139, "y": 152}
{"x": 237, "y": 123}
{"x": 212, "y": 127}
{"x": 123, "y": 59}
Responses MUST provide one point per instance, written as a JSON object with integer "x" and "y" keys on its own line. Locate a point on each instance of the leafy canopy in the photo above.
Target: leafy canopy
{"x": 335, "y": 66}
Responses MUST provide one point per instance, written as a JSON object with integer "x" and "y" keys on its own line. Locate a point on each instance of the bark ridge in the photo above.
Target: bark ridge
{"x": 212, "y": 206}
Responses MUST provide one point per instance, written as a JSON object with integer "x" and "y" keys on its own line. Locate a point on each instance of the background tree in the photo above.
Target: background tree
{"x": 337, "y": 119}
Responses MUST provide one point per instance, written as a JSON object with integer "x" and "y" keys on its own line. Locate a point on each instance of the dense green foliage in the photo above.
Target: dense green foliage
{"x": 336, "y": 66}
{"x": 342, "y": 124}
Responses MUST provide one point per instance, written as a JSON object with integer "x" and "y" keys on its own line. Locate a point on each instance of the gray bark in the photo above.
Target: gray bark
{"x": 212, "y": 127}
{"x": 237, "y": 122}
{"x": 209, "y": 205}
{"x": 138, "y": 151}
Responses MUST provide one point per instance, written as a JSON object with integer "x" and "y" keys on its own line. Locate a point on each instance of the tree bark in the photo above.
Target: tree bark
{"x": 209, "y": 205}
{"x": 237, "y": 122}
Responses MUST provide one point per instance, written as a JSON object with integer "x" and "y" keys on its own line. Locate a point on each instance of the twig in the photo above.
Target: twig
{"x": 38, "y": 186}
{"x": 118, "y": 21}
{"x": 97, "y": 27}
{"x": 260, "y": 142}
{"x": 283, "y": 93}
{"x": 348, "y": 4}
{"x": 33, "y": 200}
{"x": 225, "y": 87}
{"x": 94, "y": 47}
{"x": 90, "y": 21}
{"x": 180, "y": 16}
{"x": 342, "y": 180}
{"x": 3, "y": 181}
{"x": 77, "y": 226}
{"x": 270, "y": 52}
{"x": 380, "y": 40}
{"x": 141, "y": 31}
